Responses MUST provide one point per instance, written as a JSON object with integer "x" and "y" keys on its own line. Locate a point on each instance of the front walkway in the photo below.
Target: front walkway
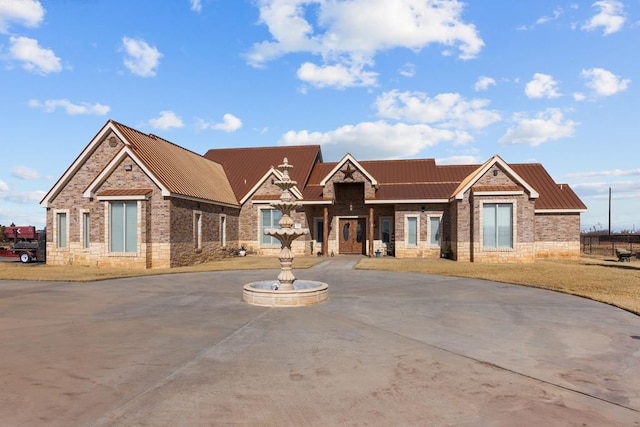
{"x": 386, "y": 349}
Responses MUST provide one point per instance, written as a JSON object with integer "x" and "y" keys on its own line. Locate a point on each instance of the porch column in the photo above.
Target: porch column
{"x": 325, "y": 231}
{"x": 371, "y": 231}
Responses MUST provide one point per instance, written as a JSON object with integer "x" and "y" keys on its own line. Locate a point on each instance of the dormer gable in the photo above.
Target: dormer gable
{"x": 348, "y": 166}
{"x": 495, "y": 165}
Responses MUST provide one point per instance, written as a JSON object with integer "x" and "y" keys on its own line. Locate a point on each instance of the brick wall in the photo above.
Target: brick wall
{"x": 557, "y": 236}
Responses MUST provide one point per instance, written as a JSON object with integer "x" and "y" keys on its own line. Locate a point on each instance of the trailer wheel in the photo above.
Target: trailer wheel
{"x": 25, "y": 257}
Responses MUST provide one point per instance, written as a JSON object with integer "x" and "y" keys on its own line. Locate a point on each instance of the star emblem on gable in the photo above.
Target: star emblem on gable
{"x": 348, "y": 172}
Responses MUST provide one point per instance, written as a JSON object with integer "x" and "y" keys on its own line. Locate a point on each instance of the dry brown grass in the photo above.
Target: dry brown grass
{"x": 598, "y": 278}
{"x": 75, "y": 273}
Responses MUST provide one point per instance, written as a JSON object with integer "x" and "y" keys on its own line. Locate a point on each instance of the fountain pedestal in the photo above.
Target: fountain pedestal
{"x": 287, "y": 291}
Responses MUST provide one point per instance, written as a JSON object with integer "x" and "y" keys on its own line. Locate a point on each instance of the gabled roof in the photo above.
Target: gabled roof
{"x": 247, "y": 167}
{"x": 423, "y": 181}
{"x": 348, "y": 158}
{"x": 553, "y": 197}
{"x": 177, "y": 171}
{"x": 470, "y": 180}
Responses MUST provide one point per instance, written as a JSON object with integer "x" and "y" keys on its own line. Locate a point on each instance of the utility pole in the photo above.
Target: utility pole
{"x": 609, "y": 211}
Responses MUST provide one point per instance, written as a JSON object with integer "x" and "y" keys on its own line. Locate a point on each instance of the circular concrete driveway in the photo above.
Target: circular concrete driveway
{"x": 386, "y": 349}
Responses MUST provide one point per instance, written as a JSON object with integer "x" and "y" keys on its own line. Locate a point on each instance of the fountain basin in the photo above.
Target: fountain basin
{"x": 304, "y": 292}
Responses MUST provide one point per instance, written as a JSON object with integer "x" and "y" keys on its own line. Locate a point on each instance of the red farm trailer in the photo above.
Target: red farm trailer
{"x": 29, "y": 244}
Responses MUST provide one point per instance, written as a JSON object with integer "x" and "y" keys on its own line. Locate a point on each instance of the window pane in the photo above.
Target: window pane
{"x": 117, "y": 227}
{"x": 86, "y": 233}
{"x": 131, "y": 227}
{"x": 489, "y": 225}
{"x": 320, "y": 233}
{"x": 434, "y": 231}
{"x": 412, "y": 231}
{"x": 504, "y": 221}
{"x": 223, "y": 231}
{"x": 386, "y": 231}
{"x": 62, "y": 230}
{"x": 265, "y": 222}
{"x": 197, "y": 226}
{"x": 269, "y": 218}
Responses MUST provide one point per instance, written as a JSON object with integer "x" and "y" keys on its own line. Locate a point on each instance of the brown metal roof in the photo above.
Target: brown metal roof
{"x": 246, "y": 166}
{"x": 423, "y": 179}
{"x": 552, "y": 196}
{"x": 181, "y": 172}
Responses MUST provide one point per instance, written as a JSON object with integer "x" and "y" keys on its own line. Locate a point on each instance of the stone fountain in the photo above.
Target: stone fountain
{"x": 287, "y": 291}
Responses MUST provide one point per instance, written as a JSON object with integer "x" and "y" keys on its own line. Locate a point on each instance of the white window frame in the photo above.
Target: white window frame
{"x": 429, "y": 234}
{"x": 197, "y": 229}
{"x": 57, "y": 213}
{"x": 223, "y": 230}
{"x": 85, "y": 228}
{"x": 406, "y": 230}
{"x": 273, "y": 240}
{"x": 108, "y": 227}
{"x": 514, "y": 224}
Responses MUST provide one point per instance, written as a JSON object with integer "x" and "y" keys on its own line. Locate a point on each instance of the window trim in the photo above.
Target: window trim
{"x": 56, "y": 228}
{"x": 514, "y": 225}
{"x": 261, "y": 227}
{"x": 107, "y": 230}
{"x": 406, "y": 230}
{"x": 85, "y": 229}
{"x": 223, "y": 230}
{"x": 429, "y": 234}
{"x": 197, "y": 229}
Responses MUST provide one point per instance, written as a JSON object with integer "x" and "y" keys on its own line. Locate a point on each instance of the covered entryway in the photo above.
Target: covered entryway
{"x": 352, "y": 236}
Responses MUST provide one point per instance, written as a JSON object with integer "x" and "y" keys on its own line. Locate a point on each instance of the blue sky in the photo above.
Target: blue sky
{"x": 554, "y": 82}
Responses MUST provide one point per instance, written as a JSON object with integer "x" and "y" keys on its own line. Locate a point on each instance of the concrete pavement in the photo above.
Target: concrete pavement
{"x": 386, "y": 349}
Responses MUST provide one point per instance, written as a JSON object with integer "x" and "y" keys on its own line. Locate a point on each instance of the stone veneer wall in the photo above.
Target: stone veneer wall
{"x": 184, "y": 248}
{"x": 557, "y": 236}
{"x": 70, "y": 201}
{"x": 423, "y": 249}
{"x": 469, "y": 220}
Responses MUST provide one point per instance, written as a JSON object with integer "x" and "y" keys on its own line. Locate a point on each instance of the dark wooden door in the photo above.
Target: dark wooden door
{"x": 352, "y": 236}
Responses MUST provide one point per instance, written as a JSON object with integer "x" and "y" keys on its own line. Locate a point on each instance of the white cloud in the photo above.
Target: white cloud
{"x": 445, "y": 109}
{"x": 35, "y": 58}
{"x": 350, "y": 34}
{"x": 29, "y": 13}
{"x": 459, "y": 160}
{"x": 141, "y": 58}
{"x": 611, "y": 17}
{"x": 24, "y": 172}
{"x": 25, "y": 197}
{"x": 167, "y": 120}
{"x": 483, "y": 83}
{"x": 606, "y": 174}
{"x": 603, "y": 82}
{"x": 335, "y": 75}
{"x": 230, "y": 123}
{"x": 196, "y": 6}
{"x": 546, "y": 126}
{"x": 4, "y": 186}
{"x": 557, "y": 13}
{"x": 374, "y": 140}
{"x": 408, "y": 70}
{"x": 50, "y": 105}
{"x": 542, "y": 86}
{"x": 579, "y": 96}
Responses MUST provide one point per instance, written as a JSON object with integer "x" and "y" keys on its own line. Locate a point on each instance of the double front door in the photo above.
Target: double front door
{"x": 352, "y": 236}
